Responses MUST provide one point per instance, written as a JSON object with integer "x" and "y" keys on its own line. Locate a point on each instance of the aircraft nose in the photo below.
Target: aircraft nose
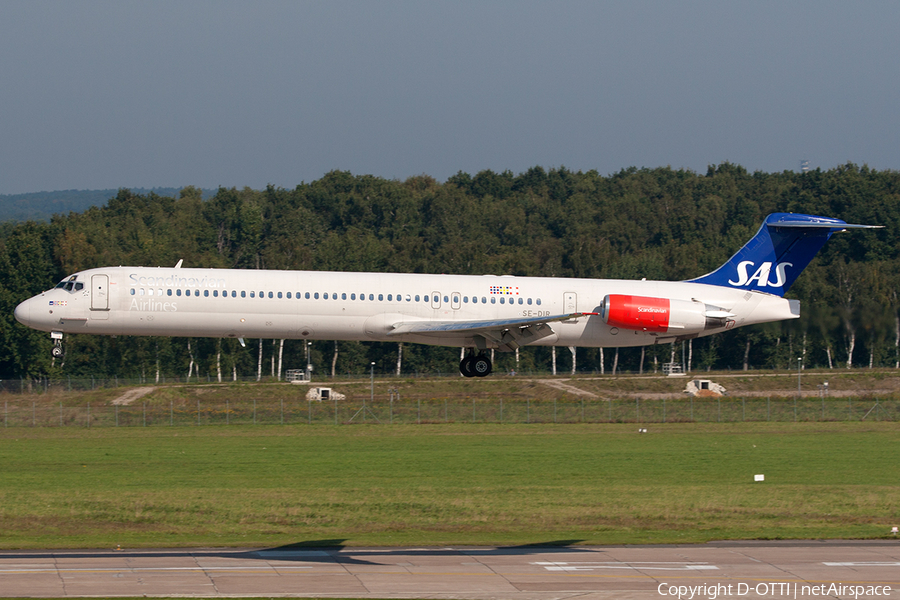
{"x": 23, "y": 313}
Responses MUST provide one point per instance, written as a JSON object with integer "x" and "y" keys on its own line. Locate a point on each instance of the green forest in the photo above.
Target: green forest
{"x": 659, "y": 223}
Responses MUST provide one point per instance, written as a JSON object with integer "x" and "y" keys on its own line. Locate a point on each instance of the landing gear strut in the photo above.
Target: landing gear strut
{"x": 476, "y": 366}
{"x": 57, "y": 350}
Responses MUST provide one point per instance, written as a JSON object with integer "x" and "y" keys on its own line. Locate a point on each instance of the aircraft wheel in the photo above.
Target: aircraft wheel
{"x": 465, "y": 367}
{"x": 57, "y": 352}
{"x": 481, "y": 366}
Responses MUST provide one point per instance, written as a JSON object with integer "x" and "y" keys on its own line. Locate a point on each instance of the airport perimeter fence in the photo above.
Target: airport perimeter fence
{"x": 451, "y": 410}
{"x": 22, "y": 385}
{"x": 83, "y": 384}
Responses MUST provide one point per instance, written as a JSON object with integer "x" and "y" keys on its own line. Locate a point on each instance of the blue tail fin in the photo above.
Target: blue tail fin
{"x": 777, "y": 254}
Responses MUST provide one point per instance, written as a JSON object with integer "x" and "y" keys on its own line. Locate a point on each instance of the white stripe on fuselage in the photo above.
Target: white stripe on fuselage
{"x": 146, "y": 301}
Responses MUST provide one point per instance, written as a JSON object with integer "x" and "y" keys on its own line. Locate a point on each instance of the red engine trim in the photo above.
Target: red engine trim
{"x": 637, "y": 312}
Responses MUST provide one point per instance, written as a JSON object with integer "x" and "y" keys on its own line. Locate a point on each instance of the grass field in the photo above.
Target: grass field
{"x": 445, "y": 484}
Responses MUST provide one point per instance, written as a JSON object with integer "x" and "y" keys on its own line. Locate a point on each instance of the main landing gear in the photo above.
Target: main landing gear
{"x": 476, "y": 365}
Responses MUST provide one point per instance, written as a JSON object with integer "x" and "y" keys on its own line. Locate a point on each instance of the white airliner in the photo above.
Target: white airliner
{"x": 473, "y": 312}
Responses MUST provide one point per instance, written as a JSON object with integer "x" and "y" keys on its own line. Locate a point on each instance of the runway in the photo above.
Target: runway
{"x": 809, "y": 569}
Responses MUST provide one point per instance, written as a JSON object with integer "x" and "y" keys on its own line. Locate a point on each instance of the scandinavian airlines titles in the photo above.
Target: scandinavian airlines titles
{"x": 761, "y": 276}
{"x": 175, "y": 281}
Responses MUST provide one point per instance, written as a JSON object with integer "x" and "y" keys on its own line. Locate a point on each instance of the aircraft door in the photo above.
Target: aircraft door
{"x": 454, "y": 300}
{"x": 99, "y": 296}
{"x": 570, "y": 305}
{"x": 435, "y": 300}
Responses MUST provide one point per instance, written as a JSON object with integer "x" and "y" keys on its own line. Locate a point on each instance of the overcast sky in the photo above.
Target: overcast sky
{"x": 97, "y": 95}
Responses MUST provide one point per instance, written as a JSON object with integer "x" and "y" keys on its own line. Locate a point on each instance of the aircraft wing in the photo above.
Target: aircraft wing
{"x": 508, "y": 334}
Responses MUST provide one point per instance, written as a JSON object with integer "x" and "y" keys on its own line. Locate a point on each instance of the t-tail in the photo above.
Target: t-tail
{"x": 771, "y": 261}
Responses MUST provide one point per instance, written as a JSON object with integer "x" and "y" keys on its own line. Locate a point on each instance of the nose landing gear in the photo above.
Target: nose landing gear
{"x": 476, "y": 366}
{"x": 57, "y": 350}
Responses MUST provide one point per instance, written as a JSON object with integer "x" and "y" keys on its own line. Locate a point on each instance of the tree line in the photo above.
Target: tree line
{"x": 657, "y": 223}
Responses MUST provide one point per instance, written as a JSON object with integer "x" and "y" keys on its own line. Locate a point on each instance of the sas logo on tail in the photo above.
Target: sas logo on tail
{"x": 761, "y": 276}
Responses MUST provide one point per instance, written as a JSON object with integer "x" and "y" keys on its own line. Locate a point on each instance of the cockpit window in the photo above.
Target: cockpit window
{"x": 69, "y": 284}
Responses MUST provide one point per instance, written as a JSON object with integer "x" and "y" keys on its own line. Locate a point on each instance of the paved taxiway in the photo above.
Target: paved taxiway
{"x": 766, "y": 569}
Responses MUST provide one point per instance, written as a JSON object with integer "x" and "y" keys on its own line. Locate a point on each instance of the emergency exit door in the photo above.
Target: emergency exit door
{"x": 570, "y": 305}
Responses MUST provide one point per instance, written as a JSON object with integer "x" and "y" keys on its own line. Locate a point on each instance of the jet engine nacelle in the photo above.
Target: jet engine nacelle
{"x": 661, "y": 315}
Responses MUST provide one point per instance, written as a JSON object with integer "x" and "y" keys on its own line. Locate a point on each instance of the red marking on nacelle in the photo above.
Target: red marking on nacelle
{"x": 636, "y": 312}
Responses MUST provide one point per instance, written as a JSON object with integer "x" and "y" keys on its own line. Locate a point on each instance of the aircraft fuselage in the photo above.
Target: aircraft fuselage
{"x": 372, "y": 306}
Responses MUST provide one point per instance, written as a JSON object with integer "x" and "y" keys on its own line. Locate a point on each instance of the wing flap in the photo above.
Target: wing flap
{"x": 470, "y": 327}
{"x": 505, "y": 334}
